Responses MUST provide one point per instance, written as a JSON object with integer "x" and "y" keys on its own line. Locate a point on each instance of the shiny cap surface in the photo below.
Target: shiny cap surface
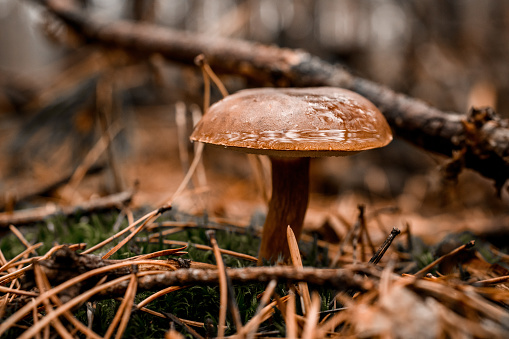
{"x": 294, "y": 122}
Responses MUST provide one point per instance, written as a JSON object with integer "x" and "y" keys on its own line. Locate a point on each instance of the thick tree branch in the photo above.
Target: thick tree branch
{"x": 485, "y": 147}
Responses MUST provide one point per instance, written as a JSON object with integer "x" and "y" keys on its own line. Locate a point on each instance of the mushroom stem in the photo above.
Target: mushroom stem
{"x": 287, "y": 206}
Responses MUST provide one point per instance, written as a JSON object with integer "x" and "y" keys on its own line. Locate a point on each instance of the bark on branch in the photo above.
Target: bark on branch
{"x": 65, "y": 264}
{"x": 33, "y": 215}
{"x": 484, "y": 142}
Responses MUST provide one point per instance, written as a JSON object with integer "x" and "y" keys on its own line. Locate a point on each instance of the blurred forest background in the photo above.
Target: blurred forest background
{"x": 59, "y": 95}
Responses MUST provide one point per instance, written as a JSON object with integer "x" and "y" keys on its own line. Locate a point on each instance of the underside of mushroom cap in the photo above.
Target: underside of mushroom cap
{"x": 294, "y": 122}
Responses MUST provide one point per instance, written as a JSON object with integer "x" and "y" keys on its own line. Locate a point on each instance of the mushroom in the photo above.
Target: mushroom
{"x": 292, "y": 125}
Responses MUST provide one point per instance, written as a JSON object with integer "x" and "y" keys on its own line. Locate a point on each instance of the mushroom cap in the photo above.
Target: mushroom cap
{"x": 294, "y": 122}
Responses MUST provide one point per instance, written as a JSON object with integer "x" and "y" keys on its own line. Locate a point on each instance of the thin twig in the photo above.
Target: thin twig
{"x": 59, "y": 311}
{"x": 105, "y": 106}
{"x": 62, "y": 331}
{"x": 130, "y": 236}
{"x": 68, "y": 315}
{"x": 424, "y": 270}
{"x": 182, "y": 134}
{"x": 183, "y": 324}
{"x": 205, "y": 248}
{"x": 223, "y": 289}
{"x": 91, "y": 158}
{"x": 201, "y": 61}
{"x": 291, "y": 322}
{"x": 21, "y": 238}
{"x": 26, "y": 309}
{"x": 254, "y": 323}
{"x": 126, "y": 313}
{"x": 226, "y": 289}
{"x": 159, "y": 294}
{"x": 342, "y": 279}
{"x": 33, "y": 215}
{"x": 310, "y": 329}
{"x": 385, "y": 246}
{"x": 492, "y": 281}
{"x": 297, "y": 262}
{"x": 13, "y": 261}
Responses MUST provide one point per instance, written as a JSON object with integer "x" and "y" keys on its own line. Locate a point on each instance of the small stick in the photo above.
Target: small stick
{"x": 201, "y": 61}
{"x": 128, "y": 306}
{"x": 113, "y": 237}
{"x": 183, "y": 324}
{"x": 218, "y": 224}
{"x": 365, "y": 232}
{"x": 15, "y": 274}
{"x": 256, "y": 164}
{"x": 280, "y": 303}
{"x": 385, "y": 246}
{"x": 62, "y": 331}
{"x": 207, "y": 248}
{"x": 30, "y": 332}
{"x": 32, "y": 215}
{"x": 130, "y": 236}
{"x": 3, "y": 261}
{"x": 160, "y": 315}
{"x": 256, "y": 319}
{"x": 265, "y": 313}
{"x": 13, "y": 319}
{"x": 341, "y": 279}
{"x": 376, "y": 215}
{"x": 200, "y": 171}
{"x": 68, "y": 315}
{"x": 18, "y": 292}
{"x": 297, "y": 262}
{"x": 349, "y": 236}
{"x": 119, "y": 219}
{"x": 492, "y": 281}
{"x": 182, "y": 137}
{"x": 105, "y": 107}
{"x": 223, "y": 289}
{"x": 290, "y": 319}
{"x": 196, "y": 160}
{"x": 21, "y": 238}
{"x": 466, "y": 246}
{"x": 310, "y": 328}
{"x": 90, "y": 159}
{"x": 35, "y": 317}
{"x": 159, "y": 253}
{"x": 159, "y": 294}
{"x": 13, "y": 261}
{"x": 357, "y": 230}
{"x": 158, "y": 235}
{"x": 409, "y": 240}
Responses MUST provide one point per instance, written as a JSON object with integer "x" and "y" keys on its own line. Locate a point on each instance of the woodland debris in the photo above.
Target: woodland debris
{"x": 66, "y": 279}
{"x": 38, "y": 214}
{"x": 411, "y": 119}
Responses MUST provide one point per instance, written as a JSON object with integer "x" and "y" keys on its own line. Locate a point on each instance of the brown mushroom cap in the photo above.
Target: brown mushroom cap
{"x": 294, "y": 122}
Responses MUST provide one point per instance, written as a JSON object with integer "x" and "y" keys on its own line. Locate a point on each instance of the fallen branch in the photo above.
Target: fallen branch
{"x": 33, "y": 215}
{"x": 485, "y": 142}
{"x": 65, "y": 265}
{"x": 334, "y": 278}
{"x": 26, "y": 190}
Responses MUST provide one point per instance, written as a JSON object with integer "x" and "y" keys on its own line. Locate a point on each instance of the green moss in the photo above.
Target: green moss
{"x": 197, "y": 303}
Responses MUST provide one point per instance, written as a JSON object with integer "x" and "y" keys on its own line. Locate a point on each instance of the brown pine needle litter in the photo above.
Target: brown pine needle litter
{"x": 40, "y": 296}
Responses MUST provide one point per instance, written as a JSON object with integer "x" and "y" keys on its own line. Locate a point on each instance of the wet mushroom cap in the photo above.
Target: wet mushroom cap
{"x": 294, "y": 122}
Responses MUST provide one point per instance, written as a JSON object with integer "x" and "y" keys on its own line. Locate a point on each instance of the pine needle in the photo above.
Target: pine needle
{"x": 297, "y": 262}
